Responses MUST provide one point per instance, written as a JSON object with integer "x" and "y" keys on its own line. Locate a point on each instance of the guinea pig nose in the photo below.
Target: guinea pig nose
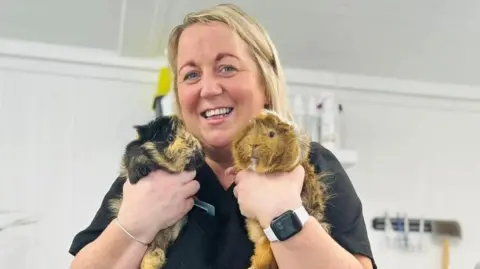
{"x": 254, "y": 145}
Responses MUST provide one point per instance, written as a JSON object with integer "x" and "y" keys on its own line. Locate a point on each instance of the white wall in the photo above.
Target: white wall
{"x": 63, "y": 22}
{"x": 64, "y": 122}
{"x": 63, "y": 127}
{"x": 418, "y": 156}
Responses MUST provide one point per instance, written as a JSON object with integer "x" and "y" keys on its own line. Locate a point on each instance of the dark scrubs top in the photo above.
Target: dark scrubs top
{"x": 221, "y": 241}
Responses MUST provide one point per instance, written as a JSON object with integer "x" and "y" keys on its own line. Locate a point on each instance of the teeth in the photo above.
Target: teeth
{"x": 217, "y": 112}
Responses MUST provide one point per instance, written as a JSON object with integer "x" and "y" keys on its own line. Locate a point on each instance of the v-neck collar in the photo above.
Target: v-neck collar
{"x": 212, "y": 192}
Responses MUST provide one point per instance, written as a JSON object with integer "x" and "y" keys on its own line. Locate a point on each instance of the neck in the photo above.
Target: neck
{"x": 219, "y": 161}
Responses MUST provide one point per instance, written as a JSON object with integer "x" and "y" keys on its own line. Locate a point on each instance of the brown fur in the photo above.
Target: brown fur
{"x": 277, "y": 146}
{"x": 149, "y": 152}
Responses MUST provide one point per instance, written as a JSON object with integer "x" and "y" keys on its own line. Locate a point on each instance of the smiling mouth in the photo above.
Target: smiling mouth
{"x": 217, "y": 112}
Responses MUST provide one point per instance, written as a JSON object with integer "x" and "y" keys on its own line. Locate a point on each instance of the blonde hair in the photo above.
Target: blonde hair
{"x": 256, "y": 37}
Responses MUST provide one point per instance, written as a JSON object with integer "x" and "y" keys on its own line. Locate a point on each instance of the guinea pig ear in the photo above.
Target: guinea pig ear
{"x": 269, "y": 112}
{"x": 141, "y": 130}
{"x": 285, "y": 127}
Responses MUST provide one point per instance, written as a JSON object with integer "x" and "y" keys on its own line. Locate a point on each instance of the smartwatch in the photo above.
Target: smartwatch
{"x": 287, "y": 225}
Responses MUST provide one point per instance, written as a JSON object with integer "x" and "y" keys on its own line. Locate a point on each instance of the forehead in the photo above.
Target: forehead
{"x": 204, "y": 41}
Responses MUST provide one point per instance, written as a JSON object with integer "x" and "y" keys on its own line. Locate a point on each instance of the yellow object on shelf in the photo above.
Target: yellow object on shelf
{"x": 163, "y": 88}
{"x": 164, "y": 81}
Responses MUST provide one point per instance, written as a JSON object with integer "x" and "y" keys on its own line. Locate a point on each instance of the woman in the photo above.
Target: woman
{"x": 221, "y": 58}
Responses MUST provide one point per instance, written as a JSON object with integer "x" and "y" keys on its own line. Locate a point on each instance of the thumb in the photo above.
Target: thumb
{"x": 230, "y": 171}
{"x": 187, "y": 176}
{"x": 299, "y": 175}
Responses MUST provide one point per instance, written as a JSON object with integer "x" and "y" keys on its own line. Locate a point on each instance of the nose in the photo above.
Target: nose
{"x": 210, "y": 86}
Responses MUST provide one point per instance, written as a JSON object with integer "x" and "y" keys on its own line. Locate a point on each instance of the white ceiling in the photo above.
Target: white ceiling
{"x": 431, "y": 40}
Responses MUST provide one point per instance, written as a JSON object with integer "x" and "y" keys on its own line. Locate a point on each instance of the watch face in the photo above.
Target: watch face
{"x": 286, "y": 225}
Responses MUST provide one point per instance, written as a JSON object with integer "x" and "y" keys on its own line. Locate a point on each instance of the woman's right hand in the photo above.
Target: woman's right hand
{"x": 156, "y": 202}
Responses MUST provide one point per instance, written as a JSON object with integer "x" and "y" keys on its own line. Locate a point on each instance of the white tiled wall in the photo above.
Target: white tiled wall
{"x": 61, "y": 138}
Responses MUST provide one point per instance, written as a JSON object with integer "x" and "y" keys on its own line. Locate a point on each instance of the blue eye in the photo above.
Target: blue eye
{"x": 228, "y": 68}
{"x": 190, "y": 75}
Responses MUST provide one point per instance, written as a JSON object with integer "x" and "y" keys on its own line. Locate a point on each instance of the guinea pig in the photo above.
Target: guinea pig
{"x": 163, "y": 143}
{"x": 270, "y": 144}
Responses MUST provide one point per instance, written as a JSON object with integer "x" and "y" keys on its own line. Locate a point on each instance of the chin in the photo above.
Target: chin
{"x": 217, "y": 139}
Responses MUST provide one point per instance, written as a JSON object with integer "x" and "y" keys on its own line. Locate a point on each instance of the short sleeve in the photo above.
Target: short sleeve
{"x": 100, "y": 221}
{"x": 344, "y": 208}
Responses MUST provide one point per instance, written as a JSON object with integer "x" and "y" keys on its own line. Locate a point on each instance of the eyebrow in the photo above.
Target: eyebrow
{"x": 218, "y": 58}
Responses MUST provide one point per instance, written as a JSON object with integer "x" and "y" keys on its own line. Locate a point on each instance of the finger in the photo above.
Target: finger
{"x": 242, "y": 175}
{"x": 230, "y": 171}
{"x": 236, "y": 180}
{"x": 126, "y": 185}
{"x": 300, "y": 170}
{"x": 190, "y": 188}
{"x": 187, "y": 176}
{"x": 299, "y": 173}
{"x": 156, "y": 175}
{"x": 235, "y": 192}
{"x": 182, "y": 177}
{"x": 189, "y": 203}
{"x": 243, "y": 211}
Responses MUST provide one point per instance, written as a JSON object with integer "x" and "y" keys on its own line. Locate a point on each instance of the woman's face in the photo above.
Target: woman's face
{"x": 219, "y": 84}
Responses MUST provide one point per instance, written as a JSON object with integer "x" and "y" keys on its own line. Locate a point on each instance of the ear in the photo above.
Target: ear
{"x": 175, "y": 118}
{"x": 283, "y": 126}
{"x": 141, "y": 130}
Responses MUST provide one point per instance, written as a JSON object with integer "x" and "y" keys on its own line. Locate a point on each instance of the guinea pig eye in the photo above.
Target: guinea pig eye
{"x": 170, "y": 139}
{"x": 271, "y": 134}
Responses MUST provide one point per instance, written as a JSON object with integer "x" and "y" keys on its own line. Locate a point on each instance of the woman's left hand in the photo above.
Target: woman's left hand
{"x": 266, "y": 196}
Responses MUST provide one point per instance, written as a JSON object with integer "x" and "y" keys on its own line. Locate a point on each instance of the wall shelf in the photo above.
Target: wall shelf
{"x": 398, "y": 224}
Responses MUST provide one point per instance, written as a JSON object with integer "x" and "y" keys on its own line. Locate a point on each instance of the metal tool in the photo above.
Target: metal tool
{"x": 445, "y": 230}
{"x": 421, "y": 237}
{"x": 389, "y": 231}
{"x": 406, "y": 233}
{"x": 399, "y": 238}
{"x": 210, "y": 209}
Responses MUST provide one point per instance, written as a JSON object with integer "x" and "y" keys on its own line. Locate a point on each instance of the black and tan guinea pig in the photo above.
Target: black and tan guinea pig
{"x": 165, "y": 144}
{"x": 270, "y": 144}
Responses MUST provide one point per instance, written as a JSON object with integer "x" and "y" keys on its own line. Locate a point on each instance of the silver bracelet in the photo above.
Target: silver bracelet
{"x": 129, "y": 234}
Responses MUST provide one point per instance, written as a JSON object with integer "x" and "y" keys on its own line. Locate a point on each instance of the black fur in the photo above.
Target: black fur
{"x": 165, "y": 144}
{"x": 162, "y": 132}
